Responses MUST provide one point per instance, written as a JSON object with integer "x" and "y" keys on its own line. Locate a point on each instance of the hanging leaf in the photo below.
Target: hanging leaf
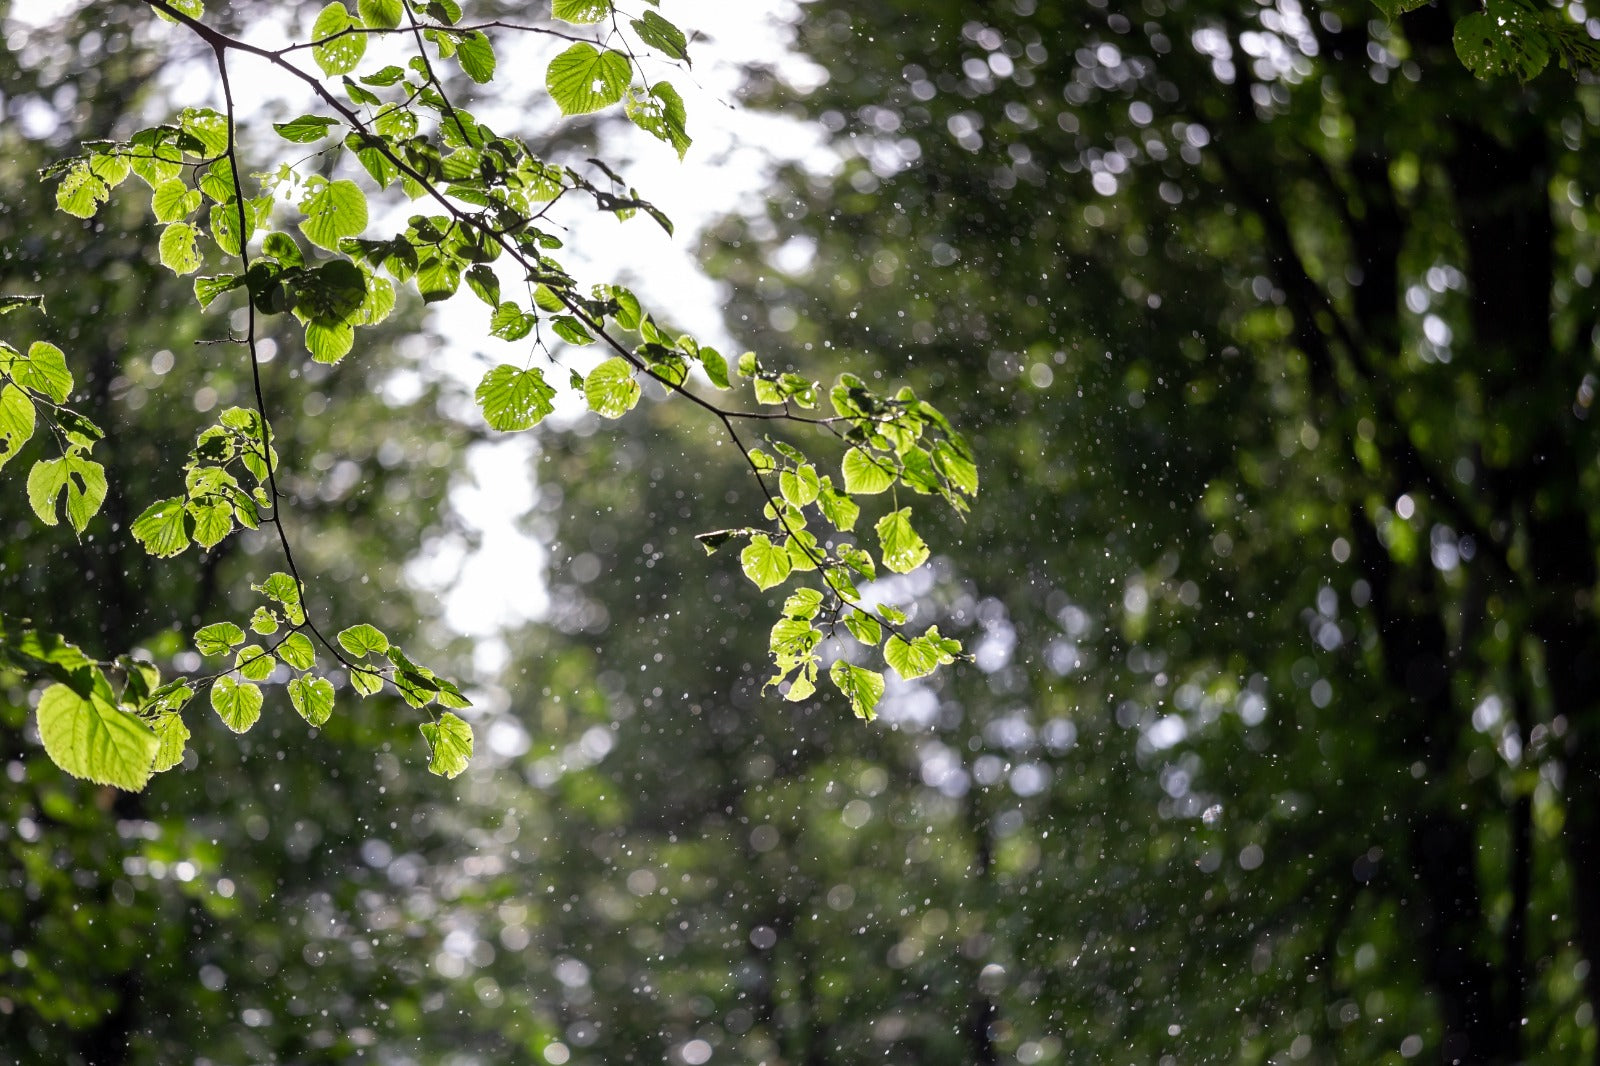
{"x": 901, "y": 549}
{"x": 581, "y": 12}
{"x": 161, "y": 529}
{"x": 218, "y": 638}
{"x": 363, "y": 639}
{"x": 237, "y": 704}
{"x": 380, "y": 14}
{"x": 179, "y": 253}
{"x": 584, "y": 79}
{"x": 334, "y": 210}
{"x": 661, "y": 114}
{"x": 17, "y": 421}
{"x": 306, "y": 128}
{"x": 765, "y": 563}
{"x": 313, "y": 698}
{"x": 662, "y": 35}
{"x": 866, "y": 475}
{"x": 82, "y": 480}
{"x": 611, "y": 389}
{"x": 862, "y": 687}
{"x": 514, "y": 399}
{"x": 476, "y": 56}
{"x": 172, "y": 737}
{"x": 339, "y": 51}
{"x": 94, "y": 739}
{"x": 450, "y": 740}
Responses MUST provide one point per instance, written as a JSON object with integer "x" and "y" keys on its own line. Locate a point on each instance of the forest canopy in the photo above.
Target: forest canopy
{"x": 1248, "y": 715}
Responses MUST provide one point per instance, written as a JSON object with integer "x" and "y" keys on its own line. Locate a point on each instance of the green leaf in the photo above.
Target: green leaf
{"x": 514, "y": 399}
{"x": 42, "y": 370}
{"x": 341, "y": 54}
{"x": 218, "y": 182}
{"x": 900, "y": 548}
{"x": 312, "y": 697}
{"x": 838, "y": 508}
{"x": 179, "y": 253}
{"x": 12, "y": 303}
{"x": 959, "y": 468}
{"x": 510, "y": 322}
{"x": 298, "y": 651}
{"x": 438, "y": 278}
{"x": 172, "y": 200}
{"x": 172, "y": 736}
{"x": 661, "y": 114}
{"x": 380, "y": 14}
{"x": 803, "y": 604}
{"x": 584, "y": 79}
{"x": 476, "y": 56}
{"x": 161, "y": 529}
{"x": 238, "y": 704}
{"x": 306, "y": 128}
{"x": 366, "y": 682}
{"x": 217, "y": 638}
{"x": 570, "y": 328}
{"x": 264, "y": 621}
{"x": 284, "y": 590}
{"x": 863, "y": 474}
{"x": 329, "y": 342}
{"x": 363, "y": 639}
{"x": 82, "y": 480}
{"x": 94, "y": 739}
{"x": 334, "y": 210}
{"x": 193, "y": 8}
{"x": 864, "y": 628}
{"x": 862, "y": 687}
{"x": 450, "y": 740}
{"x": 715, "y": 365}
{"x": 1504, "y": 38}
{"x": 920, "y": 657}
{"x": 800, "y": 486}
{"x": 765, "y": 563}
{"x": 207, "y": 289}
{"x": 82, "y": 192}
{"x": 610, "y": 388}
{"x": 662, "y": 35}
{"x": 581, "y": 12}
{"x": 484, "y": 284}
{"x": 254, "y": 662}
{"x": 213, "y": 520}
{"x": 17, "y": 421}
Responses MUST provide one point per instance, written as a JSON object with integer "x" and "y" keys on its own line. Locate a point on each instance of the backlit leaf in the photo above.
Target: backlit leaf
{"x": 363, "y": 639}
{"x": 334, "y": 210}
{"x": 584, "y": 79}
{"x": 514, "y": 399}
{"x": 179, "y": 253}
{"x": 340, "y": 52}
{"x": 313, "y": 698}
{"x": 238, "y": 704}
{"x": 765, "y": 563}
{"x": 611, "y": 389}
{"x": 866, "y": 475}
{"x": 862, "y": 687}
{"x": 81, "y": 481}
{"x": 161, "y": 529}
{"x": 96, "y": 740}
{"x": 901, "y": 549}
{"x": 450, "y": 740}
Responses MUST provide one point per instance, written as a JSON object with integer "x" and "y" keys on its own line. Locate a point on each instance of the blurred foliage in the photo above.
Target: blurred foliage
{"x": 1276, "y": 331}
